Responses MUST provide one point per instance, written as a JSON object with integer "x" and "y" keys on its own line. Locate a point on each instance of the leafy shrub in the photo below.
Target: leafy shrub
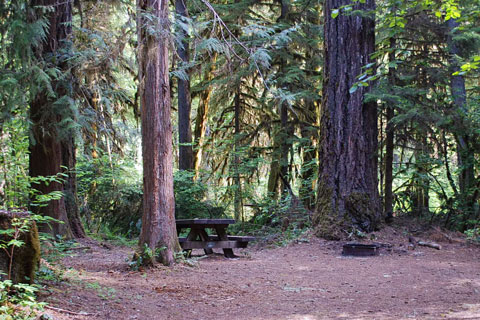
{"x": 111, "y": 194}
{"x": 286, "y": 216}
{"x": 189, "y": 198}
{"x": 18, "y": 301}
{"x": 473, "y": 234}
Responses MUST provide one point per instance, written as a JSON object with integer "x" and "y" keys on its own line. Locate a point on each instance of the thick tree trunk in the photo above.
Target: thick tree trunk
{"x": 45, "y": 161}
{"x": 158, "y": 221}
{"x": 347, "y": 189}
{"x": 46, "y": 155}
{"x": 273, "y": 177}
{"x": 184, "y": 100}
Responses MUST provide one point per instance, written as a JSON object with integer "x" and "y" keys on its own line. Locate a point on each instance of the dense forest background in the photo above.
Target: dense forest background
{"x": 250, "y": 84}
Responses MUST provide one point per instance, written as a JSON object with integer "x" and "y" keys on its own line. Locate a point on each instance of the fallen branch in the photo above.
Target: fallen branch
{"x": 383, "y": 244}
{"x": 429, "y": 244}
{"x": 414, "y": 242}
{"x": 70, "y": 312}
{"x": 77, "y": 248}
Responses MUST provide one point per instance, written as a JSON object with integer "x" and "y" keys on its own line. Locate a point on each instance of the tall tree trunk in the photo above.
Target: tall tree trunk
{"x": 46, "y": 152}
{"x": 285, "y": 146}
{"x": 158, "y": 220}
{"x": 202, "y": 113}
{"x": 389, "y": 142}
{"x": 238, "y": 202}
{"x": 347, "y": 189}
{"x": 308, "y": 128}
{"x": 273, "y": 175}
{"x": 421, "y": 199}
{"x": 307, "y": 173}
{"x": 70, "y": 188}
{"x": 465, "y": 153}
{"x": 278, "y": 175}
{"x": 184, "y": 100}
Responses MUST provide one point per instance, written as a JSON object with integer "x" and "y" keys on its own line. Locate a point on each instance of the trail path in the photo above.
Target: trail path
{"x": 308, "y": 280}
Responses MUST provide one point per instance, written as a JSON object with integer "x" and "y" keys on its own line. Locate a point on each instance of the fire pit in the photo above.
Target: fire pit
{"x": 360, "y": 249}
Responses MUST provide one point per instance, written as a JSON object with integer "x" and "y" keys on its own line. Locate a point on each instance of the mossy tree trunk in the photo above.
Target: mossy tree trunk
{"x": 202, "y": 115}
{"x": 19, "y": 263}
{"x": 347, "y": 188}
{"x": 308, "y": 128}
{"x": 158, "y": 220}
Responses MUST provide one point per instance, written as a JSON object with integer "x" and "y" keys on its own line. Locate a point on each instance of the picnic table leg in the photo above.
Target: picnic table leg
{"x": 222, "y": 235}
{"x": 192, "y": 236}
{"x": 179, "y": 230}
{"x": 204, "y": 236}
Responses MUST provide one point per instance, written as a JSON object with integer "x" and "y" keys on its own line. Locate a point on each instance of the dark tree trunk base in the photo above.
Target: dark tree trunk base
{"x": 26, "y": 257}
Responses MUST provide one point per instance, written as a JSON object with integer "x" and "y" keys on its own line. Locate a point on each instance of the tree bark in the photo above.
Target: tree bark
{"x": 421, "y": 199}
{"x": 238, "y": 202}
{"x": 46, "y": 113}
{"x": 185, "y": 161}
{"x": 307, "y": 172}
{"x": 278, "y": 175}
{"x": 285, "y": 132}
{"x": 389, "y": 142}
{"x": 347, "y": 190}
{"x": 158, "y": 220}
{"x": 202, "y": 113}
{"x": 70, "y": 188}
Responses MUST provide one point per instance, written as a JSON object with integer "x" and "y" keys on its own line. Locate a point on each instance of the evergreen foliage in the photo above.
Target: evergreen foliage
{"x": 255, "y": 71}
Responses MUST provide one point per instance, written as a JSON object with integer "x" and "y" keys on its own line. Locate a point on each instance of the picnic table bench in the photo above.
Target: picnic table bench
{"x": 198, "y": 238}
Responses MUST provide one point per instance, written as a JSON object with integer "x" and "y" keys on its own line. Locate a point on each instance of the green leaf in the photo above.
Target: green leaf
{"x": 335, "y": 13}
{"x": 353, "y": 88}
{"x": 16, "y": 243}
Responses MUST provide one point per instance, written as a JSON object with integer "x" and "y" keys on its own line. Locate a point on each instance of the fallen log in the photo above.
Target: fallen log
{"x": 414, "y": 242}
{"x": 430, "y": 245}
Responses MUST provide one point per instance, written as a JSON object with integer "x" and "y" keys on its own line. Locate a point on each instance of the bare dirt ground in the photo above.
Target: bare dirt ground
{"x": 307, "y": 279}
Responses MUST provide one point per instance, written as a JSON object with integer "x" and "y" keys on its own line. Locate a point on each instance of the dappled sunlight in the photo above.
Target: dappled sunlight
{"x": 471, "y": 311}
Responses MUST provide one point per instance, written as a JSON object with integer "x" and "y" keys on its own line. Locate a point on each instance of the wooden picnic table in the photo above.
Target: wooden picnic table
{"x": 198, "y": 237}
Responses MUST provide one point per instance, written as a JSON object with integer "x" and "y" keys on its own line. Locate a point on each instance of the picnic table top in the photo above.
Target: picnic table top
{"x": 188, "y": 222}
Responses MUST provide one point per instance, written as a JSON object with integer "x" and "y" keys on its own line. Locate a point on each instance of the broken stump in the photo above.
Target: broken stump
{"x": 18, "y": 262}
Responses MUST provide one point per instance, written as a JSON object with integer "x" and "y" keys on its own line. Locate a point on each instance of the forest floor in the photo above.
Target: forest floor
{"x": 306, "y": 279}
